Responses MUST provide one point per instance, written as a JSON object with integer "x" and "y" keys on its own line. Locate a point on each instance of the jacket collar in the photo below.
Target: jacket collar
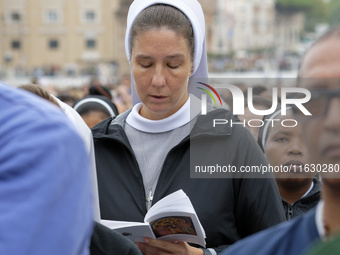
{"x": 317, "y": 187}
{"x": 314, "y": 192}
{"x": 111, "y": 128}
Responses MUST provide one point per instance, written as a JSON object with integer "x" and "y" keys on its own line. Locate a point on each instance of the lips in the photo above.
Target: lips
{"x": 158, "y": 97}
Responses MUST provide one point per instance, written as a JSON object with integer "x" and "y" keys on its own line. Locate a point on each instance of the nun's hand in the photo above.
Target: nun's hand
{"x": 152, "y": 246}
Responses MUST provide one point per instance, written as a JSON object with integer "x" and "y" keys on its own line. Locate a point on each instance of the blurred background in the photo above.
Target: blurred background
{"x": 67, "y": 45}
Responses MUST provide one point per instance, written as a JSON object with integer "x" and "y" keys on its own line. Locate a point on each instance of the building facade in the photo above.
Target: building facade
{"x": 289, "y": 27}
{"x": 235, "y": 25}
{"x": 71, "y": 34}
{"x": 77, "y": 35}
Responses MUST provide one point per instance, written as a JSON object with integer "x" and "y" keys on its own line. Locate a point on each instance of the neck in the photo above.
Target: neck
{"x": 331, "y": 210}
{"x": 292, "y": 193}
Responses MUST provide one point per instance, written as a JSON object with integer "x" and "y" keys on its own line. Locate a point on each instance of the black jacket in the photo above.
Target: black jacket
{"x": 228, "y": 208}
{"x": 304, "y": 204}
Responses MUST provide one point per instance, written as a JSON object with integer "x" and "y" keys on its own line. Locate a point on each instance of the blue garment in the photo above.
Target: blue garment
{"x": 293, "y": 237}
{"x": 45, "y": 189}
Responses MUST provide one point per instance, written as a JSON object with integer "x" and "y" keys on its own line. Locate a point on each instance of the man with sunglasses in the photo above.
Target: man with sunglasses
{"x": 320, "y": 74}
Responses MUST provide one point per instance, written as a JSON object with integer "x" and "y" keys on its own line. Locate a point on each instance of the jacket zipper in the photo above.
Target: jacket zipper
{"x": 185, "y": 140}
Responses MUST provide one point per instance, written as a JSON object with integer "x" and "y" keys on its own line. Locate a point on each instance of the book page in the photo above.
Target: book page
{"x": 135, "y": 231}
{"x": 174, "y": 218}
{"x": 178, "y": 227}
{"x": 175, "y": 202}
{"x": 113, "y": 224}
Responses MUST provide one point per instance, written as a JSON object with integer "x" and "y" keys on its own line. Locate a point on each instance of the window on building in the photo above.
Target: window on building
{"x": 90, "y": 43}
{"x": 90, "y": 16}
{"x": 15, "y": 44}
{"x": 53, "y": 44}
{"x": 52, "y": 16}
{"x": 15, "y": 17}
{"x": 256, "y": 9}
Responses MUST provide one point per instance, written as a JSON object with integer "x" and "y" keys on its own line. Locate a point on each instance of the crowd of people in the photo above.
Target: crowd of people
{"x": 65, "y": 165}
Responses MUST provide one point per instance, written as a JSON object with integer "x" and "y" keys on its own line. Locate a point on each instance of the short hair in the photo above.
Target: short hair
{"x": 162, "y": 15}
{"x": 39, "y": 91}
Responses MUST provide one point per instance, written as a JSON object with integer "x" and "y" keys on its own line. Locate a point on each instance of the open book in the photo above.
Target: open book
{"x": 173, "y": 218}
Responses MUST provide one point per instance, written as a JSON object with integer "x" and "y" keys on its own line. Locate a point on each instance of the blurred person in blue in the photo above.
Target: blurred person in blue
{"x": 81, "y": 128}
{"x": 45, "y": 186}
{"x": 143, "y": 154}
{"x": 320, "y": 74}
{"x": 103, "y": 240}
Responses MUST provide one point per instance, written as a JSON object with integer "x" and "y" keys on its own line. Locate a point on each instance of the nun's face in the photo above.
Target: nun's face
{"x": 161, "y": 67}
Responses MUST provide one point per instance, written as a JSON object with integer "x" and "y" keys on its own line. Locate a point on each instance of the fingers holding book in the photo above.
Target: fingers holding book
{"x": 153, "y": 246}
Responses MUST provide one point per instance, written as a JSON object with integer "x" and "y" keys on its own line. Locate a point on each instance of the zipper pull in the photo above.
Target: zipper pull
{"x": 149, "y": 200}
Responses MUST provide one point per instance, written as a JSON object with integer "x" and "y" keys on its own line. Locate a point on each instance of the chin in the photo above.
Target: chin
{"x": 292, "y": 180}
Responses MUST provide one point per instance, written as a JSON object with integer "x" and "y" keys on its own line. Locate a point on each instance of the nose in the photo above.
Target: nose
{"x": 158, "y": 77}
{"x": 296, "y": 147}
{"x": 332, "y": 119}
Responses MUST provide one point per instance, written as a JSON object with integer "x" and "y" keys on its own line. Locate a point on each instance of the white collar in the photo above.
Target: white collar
{"x": 309, "y": 190}
{"x": 319, "y": 220}
{"x": 176, "y": 120}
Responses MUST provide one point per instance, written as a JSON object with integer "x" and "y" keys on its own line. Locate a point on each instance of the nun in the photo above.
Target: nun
{"x": 94, "y": 109}
{"x": 148, "y": 152}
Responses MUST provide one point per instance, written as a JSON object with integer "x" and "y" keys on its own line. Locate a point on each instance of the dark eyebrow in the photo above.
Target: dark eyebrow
{"x": 177, "y": 55}
{"x": 143, "y": 56}
{"x": 285, "y": 133}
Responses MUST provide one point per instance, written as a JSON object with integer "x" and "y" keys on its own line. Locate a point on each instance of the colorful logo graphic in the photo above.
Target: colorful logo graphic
{"x": 209, "y": 93}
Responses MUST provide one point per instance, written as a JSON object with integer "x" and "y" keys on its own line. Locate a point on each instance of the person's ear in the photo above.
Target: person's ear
{"x": 191, "y": 71}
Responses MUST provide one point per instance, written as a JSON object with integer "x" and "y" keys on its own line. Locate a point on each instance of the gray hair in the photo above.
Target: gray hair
{"x": 161, "y": 15}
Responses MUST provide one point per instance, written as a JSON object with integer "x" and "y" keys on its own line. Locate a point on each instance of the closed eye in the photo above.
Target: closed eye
{"x": 145, "y": 65}
{"x": 173, "y": 66}
{"x": 281, "y": 139}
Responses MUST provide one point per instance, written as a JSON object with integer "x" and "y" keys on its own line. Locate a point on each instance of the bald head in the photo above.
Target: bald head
{"x": 322, "y": 60}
